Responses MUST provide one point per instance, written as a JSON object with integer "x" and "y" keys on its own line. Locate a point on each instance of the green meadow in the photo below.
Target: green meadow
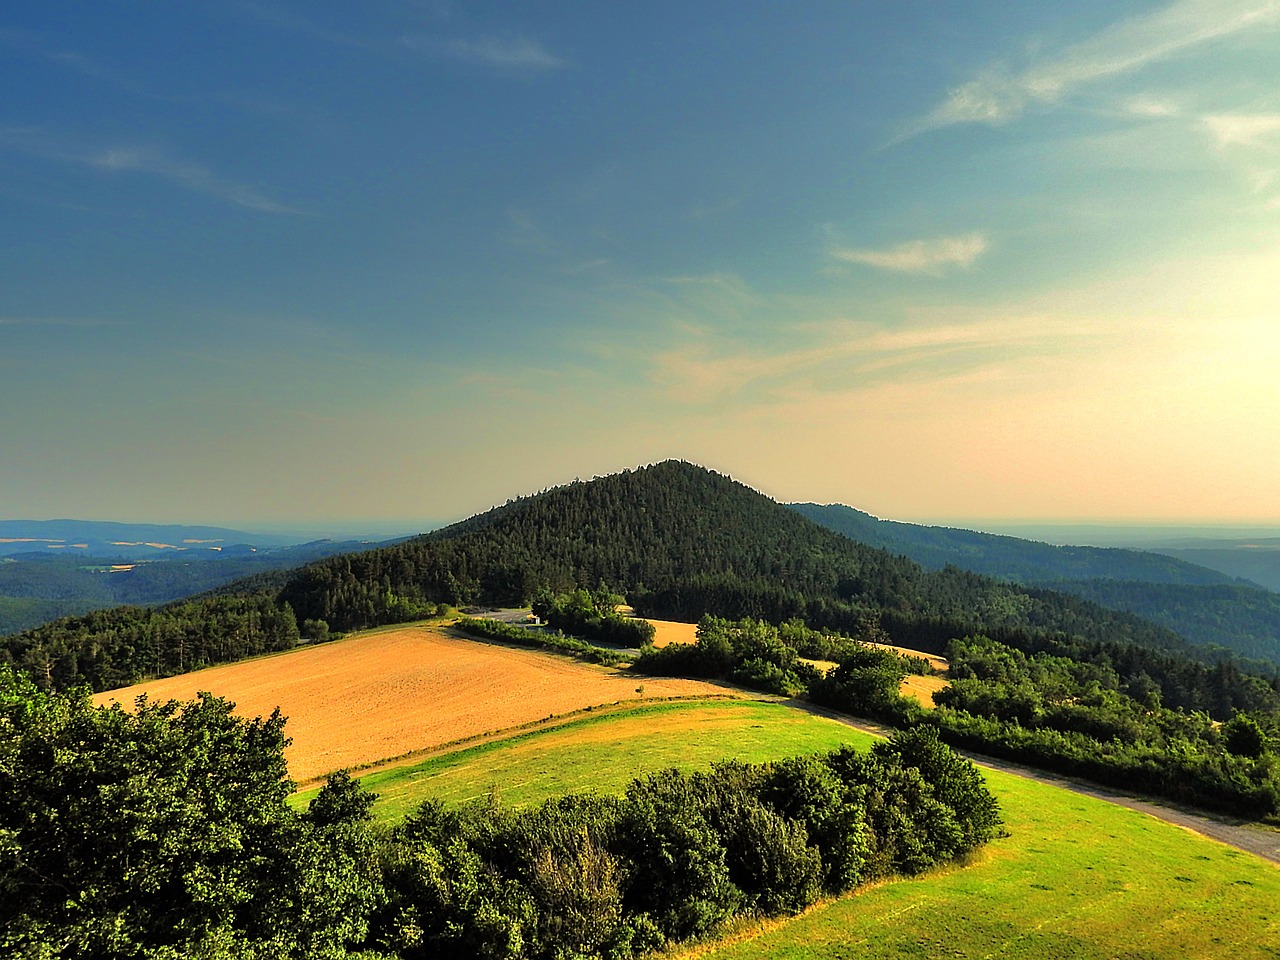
{"x": 1075, "y": 877}
{"x": 604, "y": 750}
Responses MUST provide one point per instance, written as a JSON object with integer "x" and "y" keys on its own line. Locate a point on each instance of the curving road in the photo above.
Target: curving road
{"x": 1250, "y": 837}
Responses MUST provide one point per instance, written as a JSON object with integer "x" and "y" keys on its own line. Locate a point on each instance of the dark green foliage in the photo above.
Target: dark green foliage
{"x": 867, "y": 683}
{"x": 37, "y": 588}
{"x": 114, "y": 648}
{"x": 1243, "y": 736}
{"x": 1240, "y": 618}
{"x": 162, "y": 832}
{"x": 1007, "y": 558}
{"x": 487, "y": 629}
{"x": 1081, "y": 717}
{"x": 592, "y": 615}
{"x": 676, "y": 856}
{"x": 1207, "y": 607}
{"x": 748, "y": 652}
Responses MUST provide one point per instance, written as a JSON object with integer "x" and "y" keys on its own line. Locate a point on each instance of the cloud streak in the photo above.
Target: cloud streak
{"x": 195, "y": 177}
{"x": 1243, "y": 129}
{"x": 707, "y": 370}
{"x": 929, "y": 257}
{"x": 188, "y": 174}
{"x": 999, "y": 93}
{"x": 517, "y": 53}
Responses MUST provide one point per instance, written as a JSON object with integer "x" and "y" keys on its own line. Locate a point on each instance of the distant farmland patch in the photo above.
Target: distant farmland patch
{"x": 668, "y": 631}
{"x": 389, "y": 692}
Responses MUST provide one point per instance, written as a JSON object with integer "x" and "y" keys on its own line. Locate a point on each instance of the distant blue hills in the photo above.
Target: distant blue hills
{"x": 1200, "y": 592}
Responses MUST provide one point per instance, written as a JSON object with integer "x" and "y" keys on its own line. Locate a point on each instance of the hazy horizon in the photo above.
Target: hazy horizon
{"x": 296, "y": 262}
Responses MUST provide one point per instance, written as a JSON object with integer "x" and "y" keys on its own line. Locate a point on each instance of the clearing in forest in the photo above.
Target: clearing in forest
{"x": 388, "y": 692}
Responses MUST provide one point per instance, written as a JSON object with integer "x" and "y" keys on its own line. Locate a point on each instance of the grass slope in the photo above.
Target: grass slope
{"x": 1076, "y": 877}
{"x": 605, "y": 750}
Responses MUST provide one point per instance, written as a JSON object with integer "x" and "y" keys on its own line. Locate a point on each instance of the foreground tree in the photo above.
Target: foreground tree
{"x": 159, "y": 832}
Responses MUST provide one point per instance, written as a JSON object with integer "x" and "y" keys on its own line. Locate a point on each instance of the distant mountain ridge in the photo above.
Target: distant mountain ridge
{"x": 1008, "y": 558}
{"x": 108, "y": 538}
{"x": 1204, "y": 605}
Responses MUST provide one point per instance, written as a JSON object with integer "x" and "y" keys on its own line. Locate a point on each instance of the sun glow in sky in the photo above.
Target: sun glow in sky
{"x": 291, "y": 262}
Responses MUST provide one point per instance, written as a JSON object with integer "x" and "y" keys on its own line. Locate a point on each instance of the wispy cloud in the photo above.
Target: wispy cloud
{"x": 56, "y": 322}
{"x": 931, "y": 257}
{"x": 188, "y": 174}
{"x": 707, "y": 369}
{"x": 1243, "y": 129}
{"x": 517, "y": 53}
{"x": 1001, "y": 93}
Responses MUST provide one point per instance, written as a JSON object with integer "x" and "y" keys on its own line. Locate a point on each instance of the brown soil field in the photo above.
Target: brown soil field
{"x": 396, "y": 690}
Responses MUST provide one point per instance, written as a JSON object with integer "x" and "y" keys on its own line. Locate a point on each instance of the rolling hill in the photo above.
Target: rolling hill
{"x": 1203, "y": 605}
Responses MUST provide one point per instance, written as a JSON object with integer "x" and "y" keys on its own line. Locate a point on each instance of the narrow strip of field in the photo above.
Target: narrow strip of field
{"x": 388, "y": 692}
{"x": 1076, "y": 877}
{"x": 604, "y": 750}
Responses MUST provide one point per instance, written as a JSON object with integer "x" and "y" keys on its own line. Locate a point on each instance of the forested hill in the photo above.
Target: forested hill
{"x": 680, "y": 541}
{"x": 1207, "y": 607}
{"x": 1007, "y": 558}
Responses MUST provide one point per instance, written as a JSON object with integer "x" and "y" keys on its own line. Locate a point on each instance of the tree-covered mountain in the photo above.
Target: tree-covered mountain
{"x": 1257, "y": 559}
{"x": 1206, "y": 606}
{"x": 679, "y": 541}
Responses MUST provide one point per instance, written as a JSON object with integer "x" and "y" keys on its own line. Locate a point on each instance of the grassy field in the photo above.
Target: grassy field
{"x": 605, "y": 750}
{"x": 1076, "y": 878}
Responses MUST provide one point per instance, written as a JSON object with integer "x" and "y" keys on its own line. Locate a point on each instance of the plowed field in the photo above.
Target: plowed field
{"x": 393, "y": 691}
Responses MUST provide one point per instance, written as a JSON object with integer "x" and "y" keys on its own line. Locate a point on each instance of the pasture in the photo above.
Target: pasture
{"x": 388, "y": 692}
{"x": 604, "y": 750}
{"x": 1075, "y": 878}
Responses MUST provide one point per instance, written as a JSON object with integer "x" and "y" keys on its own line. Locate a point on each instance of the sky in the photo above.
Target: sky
{"x": 266, "y": 262}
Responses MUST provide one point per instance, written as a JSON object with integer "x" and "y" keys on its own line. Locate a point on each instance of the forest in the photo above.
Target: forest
{"x": 1084, "y": 714}
{"x": 163, "y": 832}
{"x": 680, "y": 542}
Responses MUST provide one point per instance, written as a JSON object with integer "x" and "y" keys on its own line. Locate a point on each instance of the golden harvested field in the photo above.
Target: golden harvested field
{"x": 668, "y": 631}
{"x": 393, "y": 691}
{"x": 921, "y": 688}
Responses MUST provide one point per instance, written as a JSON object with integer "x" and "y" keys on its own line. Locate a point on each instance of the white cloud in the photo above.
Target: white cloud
{"x": 189, "y": 174}
{"x": 1243, "y": 129}
{"x": 920, "y": 256}
{"x": 518, "y": 53}
{"x": 999, "y": 94}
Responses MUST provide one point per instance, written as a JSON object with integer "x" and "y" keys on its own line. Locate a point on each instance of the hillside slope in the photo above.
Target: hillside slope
{"x": 1205, "y": 606}
{"x": 679, "y": 540}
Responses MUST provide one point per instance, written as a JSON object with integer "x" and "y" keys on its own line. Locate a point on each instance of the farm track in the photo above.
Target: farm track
{"x": 1243, "y": 835}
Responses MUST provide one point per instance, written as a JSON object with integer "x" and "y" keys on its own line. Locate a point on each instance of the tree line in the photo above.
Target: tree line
{"x": 164, "y": 832}
{"x": 1082, "y": 714}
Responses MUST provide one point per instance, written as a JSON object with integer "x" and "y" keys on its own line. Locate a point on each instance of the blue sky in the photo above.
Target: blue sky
{"x": 265, "y": 261}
